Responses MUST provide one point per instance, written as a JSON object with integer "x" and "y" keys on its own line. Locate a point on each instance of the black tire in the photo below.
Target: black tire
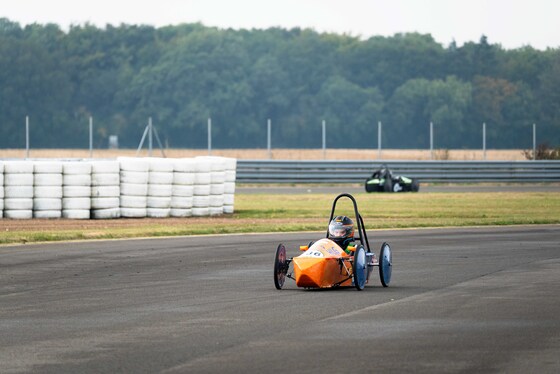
{"x": 280, "y": 267}
{"x": 370, "y": 187}
{"x": 359, "y": 268}
{"x": 388, "y": 185}
{"x": 385, "y": 264}
{"x": 415, "y": 185}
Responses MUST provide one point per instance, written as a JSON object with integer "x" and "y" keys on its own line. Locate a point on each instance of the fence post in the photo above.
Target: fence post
{"x": 268, "y": 140}
{"x": 90, "y": 137}
{"x": 379, "y": 139}
{"x": 484, "y": 141}
{"x": 26, "y": 136}
{"x": 534, "y": 141}
{"x": 431, "y": 140}
{"x": 324, "y": 140}
{"x": 150, "y": 137}
{"x": 209, "y": 136}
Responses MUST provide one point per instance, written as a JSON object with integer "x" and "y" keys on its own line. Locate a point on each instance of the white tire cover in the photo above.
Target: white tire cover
{"x": 160, "y": 165}
{"x": 175, "y": 212}
{"x": 52, "y": 192}
{"x": 44, "y": 179}
{"x": 18, "y": 167}
{"x": 201, "y": 190}
{"x": 158, "y": 202}
{"x": 105, "y": 179}
{"x": 216, "y": 211}
{"x": 229, "y": 187}
{"x": 133, "y": 212}
{"x": 230, "y": 175}
{"x": 213, "y": 163}
{"x": 106, "y": 213}
{"x": 229, "y": 199}
{"x": 47, "y": 204}
{"x": 139, "y": 202}
{"x": 76, "y": 180}
{"x": 181, "y": 190}
{"x": 158, "y": 212}
{"x": 216, "y": 200}
{"x": 183, "y": 178}
{"x": 47, "y": 214}
{"x": 76, "y": 191}
{"x": 1, "y": 179}
{"x": 163, "y": 190}
{"x": 200, "y": 212}
{"x": 228, "y": 209}
{"x": 217, "y": 189}
{"x": 1, "y": 205}
{"x": 137, "y": 177}
{"x": 105, "y": 167}
{"x": 19, "y": 179}
{"x": 76, "y": 167}
{"x": 1, "y": 167}
{"x": 230, "y": 163}
{"x": 76, "y": 214}
{"x": 180, "y": 202}
{"x": 133, "y": 164}
{"x": 106, "y": 191}
{"x": 134, "y": 189}
{"x": 201, "y": 201}
{"x": 18, "y": 214}
{"x": 105, "y": 202}
{"x": 1, "y": 192}
{"x": 202, "y": 178}
{"x": 157, "y": 177}
{"x": 217, "y": 177}
{"x": 18, "y": 192}
{"x": 18, "y": 204}
{"x": 47, "y": 167}
{"x": 202, "y": 165}
{"x": 76, "y": 203}
{"x": 184, "y": 165}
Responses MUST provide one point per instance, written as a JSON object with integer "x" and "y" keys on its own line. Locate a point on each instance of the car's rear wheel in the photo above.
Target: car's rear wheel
{"x": 280, "y": 267}
{"x": 415, "y": 185}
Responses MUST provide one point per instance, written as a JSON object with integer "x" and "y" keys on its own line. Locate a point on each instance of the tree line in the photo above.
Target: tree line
{"x": 182, "y": 75}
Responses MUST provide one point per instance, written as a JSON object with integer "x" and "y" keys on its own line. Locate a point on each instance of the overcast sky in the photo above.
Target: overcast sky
{"x": 511, "y": 23}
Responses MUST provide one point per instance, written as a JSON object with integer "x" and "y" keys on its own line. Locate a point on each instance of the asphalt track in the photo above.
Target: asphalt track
{"x": 482, "y": 300}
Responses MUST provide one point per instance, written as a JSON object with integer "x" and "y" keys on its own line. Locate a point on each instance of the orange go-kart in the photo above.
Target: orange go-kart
{"x": 324, "y": 264}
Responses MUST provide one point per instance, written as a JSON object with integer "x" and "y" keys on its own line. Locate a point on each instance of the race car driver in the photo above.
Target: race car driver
{"x": 341, "y": 231}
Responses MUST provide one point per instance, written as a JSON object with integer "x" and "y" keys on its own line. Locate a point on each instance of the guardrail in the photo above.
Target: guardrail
{"x": 282, "y": 171}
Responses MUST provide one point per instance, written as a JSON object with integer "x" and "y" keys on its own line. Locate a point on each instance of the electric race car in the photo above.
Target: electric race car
{"x": 325, "y": 264}
{"x": 383, "y": 180}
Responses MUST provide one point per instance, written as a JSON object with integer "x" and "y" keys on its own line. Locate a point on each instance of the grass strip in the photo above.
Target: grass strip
{"x": 310, "y": 212}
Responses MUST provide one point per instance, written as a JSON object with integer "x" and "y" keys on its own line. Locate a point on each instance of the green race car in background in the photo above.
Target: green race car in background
{"x": 383, "y": 180}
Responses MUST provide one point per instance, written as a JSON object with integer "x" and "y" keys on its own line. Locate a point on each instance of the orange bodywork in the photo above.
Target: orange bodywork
{"x": 319, "y": 266}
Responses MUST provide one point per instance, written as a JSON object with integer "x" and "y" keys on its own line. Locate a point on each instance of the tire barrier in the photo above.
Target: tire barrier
{"x": 134, "y": 173}
{"x": 160, "y": 187}
{"x": 105, "y": 189}
{"x": 182, "y": 189}
{"x": 47, "y": 189}
{"x": 18, "y": 189}
{"x": 126, "y": 187}
{"x": 1, "y": 189}
{"x": 76, "y": 189}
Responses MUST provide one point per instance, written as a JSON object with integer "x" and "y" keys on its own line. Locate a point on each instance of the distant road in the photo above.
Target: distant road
{"x": 353, "y": 188}
{"x": 468, "y": 300}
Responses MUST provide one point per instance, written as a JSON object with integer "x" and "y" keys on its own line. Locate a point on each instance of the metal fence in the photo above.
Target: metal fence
{"x": 277, "y": 171}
